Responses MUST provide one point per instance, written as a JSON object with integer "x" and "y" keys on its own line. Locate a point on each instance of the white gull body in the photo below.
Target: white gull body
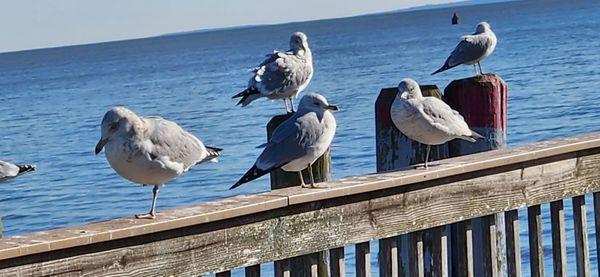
{"x": 427, "y": 120}
{"x": 149, "y": 150}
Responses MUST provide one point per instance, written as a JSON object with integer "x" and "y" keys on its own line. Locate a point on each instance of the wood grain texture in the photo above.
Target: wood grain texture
{"x": 321, "y": 225}
{"x": 559, "y": 247}
{"x": 536, "y": 249}
{"x": 513, "y": 244}
{"x": 581, "y": 236}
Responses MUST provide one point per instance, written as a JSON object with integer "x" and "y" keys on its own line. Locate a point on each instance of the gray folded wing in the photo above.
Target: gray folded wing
{"x": 279, "y": 73}
{"x": 290, "y": 141}
{"x": 444, "y": 118}
{"x": 468, "y": 50}
{"x": 170, "y": 140}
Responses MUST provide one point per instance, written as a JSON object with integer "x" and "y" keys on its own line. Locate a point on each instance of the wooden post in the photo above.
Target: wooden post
{"x": 396, "y": 151}
{"x": 301, "y": 265}
{"x": 482, "y": 101}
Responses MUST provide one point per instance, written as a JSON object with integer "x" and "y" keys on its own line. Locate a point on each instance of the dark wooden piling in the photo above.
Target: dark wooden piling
{"x": 396, "y": 151}
{"x": 302, "y": 265}
{"x": 482, "y": 101}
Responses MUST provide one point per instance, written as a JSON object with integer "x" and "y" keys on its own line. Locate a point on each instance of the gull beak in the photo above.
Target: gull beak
{"x": 332, "y": 107}
{"x": 100, "y": 145}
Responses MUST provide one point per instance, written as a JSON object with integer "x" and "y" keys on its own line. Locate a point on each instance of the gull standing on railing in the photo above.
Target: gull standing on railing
{"x": 150, "y": 150}
{"x": 427, "y": 120}
{"x": 298, "y": 142}
{"x": 282, "y": 75}
{"x": 472, "y": 49}
{"x": 9, "y": 171}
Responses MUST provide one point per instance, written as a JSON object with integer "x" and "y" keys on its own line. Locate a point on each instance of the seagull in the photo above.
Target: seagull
{"x": 282, "y": 75}
{"x": 9, "y": 171}
{"x": 472, "y": 49}
{"x": 150, "y": 150}
{"x": 298, "y": 142}
{"x": 427, "y": 120}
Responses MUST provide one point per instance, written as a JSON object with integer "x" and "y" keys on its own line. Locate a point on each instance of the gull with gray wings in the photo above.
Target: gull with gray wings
{"x": 149, "y": 150}
{"x": 427, "y": 120}
{"x": 282, "y": 75}
{"x": 472, "y": 49}
{"x": 298, "y": 142}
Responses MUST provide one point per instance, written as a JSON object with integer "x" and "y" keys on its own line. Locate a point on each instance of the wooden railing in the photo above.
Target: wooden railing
{"x": 427, "y": 214}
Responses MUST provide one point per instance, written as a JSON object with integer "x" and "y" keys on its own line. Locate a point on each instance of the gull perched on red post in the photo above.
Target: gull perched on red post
{"x": 472, "y": 49}
{"x": 427, "y": 120}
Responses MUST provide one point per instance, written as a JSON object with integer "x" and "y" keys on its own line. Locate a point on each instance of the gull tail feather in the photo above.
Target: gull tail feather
{"x": 473, "y": 137}
{"x": 445, "y": 67}
{"x": 248, "y": 95}
{"x": 251, "y": 174}
{"x": 213, "y": 154}
{"x": 23, "y": 168}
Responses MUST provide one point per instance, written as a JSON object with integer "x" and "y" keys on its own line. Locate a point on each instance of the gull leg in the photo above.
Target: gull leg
{"x": 427, "y": 155}
{"x": 302, "y": 179}
{"x": 151, "y": 214}
{"x": 480, "y": 71}
{"x": 312, "y": 178}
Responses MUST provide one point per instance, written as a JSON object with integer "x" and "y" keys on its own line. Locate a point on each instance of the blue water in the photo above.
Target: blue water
{"x": 53, "y": 99}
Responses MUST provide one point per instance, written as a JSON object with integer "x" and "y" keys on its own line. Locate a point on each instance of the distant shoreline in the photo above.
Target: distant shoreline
{"x": 464, "y": 3}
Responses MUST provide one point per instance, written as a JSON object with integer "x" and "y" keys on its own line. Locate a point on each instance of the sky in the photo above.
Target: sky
{"x": 30, "y": 24}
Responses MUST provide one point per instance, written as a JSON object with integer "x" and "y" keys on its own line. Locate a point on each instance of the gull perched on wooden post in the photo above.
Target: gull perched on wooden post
{"x": 298, "y": 142}
{"x": 9, "y": 171}
{"x": 472, "y": 49}
{"x": 427, "y": 120}
{"x": 150, "y": 150}
{"x": 282, "y": 75}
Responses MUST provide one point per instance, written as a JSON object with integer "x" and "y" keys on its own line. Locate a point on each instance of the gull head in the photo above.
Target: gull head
{"x": 483, "y": 27}
{"x": 299, "y": 41}
{"x": 409, "y": 89}
{"x": 116, "y": 120}
{"x": 315, "y": 102}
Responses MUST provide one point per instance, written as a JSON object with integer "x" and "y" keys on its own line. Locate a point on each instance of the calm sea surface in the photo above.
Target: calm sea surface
{"x": 52, "y": 100}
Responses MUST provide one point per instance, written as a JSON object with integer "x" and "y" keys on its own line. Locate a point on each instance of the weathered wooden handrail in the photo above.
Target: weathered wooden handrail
{"x": 253, "y": 229}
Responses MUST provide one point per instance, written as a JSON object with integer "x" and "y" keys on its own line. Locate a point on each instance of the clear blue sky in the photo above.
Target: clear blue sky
{"x": 28, "y": 24}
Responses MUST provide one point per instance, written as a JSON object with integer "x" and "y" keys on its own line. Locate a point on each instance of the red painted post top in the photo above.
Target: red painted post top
{"x": 481, "y": 100}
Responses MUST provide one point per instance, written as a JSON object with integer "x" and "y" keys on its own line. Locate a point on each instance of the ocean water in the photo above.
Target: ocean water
{"x": 52, "y": 100}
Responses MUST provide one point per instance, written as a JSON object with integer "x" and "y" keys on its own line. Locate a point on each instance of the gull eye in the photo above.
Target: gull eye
{"x": 113, "y": 126}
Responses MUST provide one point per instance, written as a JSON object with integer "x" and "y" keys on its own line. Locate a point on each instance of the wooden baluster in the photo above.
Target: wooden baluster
{"x": 363, "y": 259}
{"x": 223, "y": 274}
{"x": 462, "y": 249}
{"x": 282, "y": 268}
{"x": 388, "y": 257}
{"x": 559, "y": 248}
{"x": 581, "y": 236}
{"x": 489, "y": 245}
{"x": 336, "y": 262}
{"x": 252, "y": 271}
{"x": 439, "y": 252}
{"x": 536, "y": 251}
{"x": 597, "y": 227}
{"x": 513, "y": 245}
{"x": 415, "y": 254}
